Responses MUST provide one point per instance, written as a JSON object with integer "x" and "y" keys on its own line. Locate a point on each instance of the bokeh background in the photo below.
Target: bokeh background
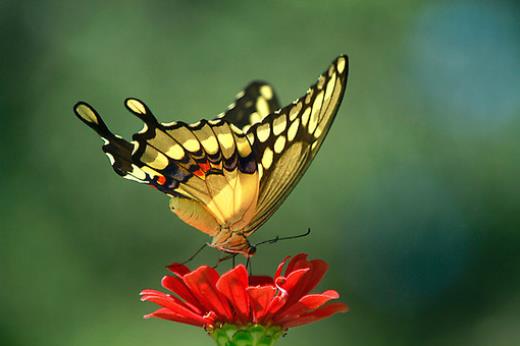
{"x": 413, "y": 199}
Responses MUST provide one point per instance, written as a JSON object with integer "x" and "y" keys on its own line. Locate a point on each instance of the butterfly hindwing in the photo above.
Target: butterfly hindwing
{"x": 286, "y": 141}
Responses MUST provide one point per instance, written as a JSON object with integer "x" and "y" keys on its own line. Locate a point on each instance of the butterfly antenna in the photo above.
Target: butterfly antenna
{"x": 278, "y": 238}
{"x": 192, "y": 257}
{"x": 249, "y": 265}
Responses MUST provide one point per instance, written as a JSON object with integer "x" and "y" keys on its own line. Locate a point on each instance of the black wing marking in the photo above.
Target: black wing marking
{"x": 252, "y": 105}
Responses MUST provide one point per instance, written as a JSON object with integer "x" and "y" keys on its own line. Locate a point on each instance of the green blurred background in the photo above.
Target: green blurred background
{"x": 413, "y": 199}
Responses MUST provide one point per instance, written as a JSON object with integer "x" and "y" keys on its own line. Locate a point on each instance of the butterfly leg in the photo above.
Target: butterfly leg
{"x": 225, "y": 258}
{"x": 249, "y": 266}
{"x": 195, "y": 254}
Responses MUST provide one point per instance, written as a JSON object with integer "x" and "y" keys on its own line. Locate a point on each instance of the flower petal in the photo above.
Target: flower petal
{"x": 260, "y": 280}
{"x": 178, "y": 287}
{"x": 233, "y": 286}
{"x": 260, "y": 300}
{"x": 167, "y": 314}
{"x": 318, "y": 270}
{"x": 305, "y": 305}
{"x": 291, "y": 282}
{"x": 297, "y": 262}
{"x": 171, "y": 303}
{"x": 285, "y": 285}
{"x": 202, "y": 283}
{"x": 315, "y": 272}
{"x": 178, "y": 269}
{"x": 316, "y": 315}
{"x": 280, "y": 267}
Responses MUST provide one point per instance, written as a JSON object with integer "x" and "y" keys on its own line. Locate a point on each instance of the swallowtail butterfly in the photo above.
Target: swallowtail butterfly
{"x": 228, "y": 175}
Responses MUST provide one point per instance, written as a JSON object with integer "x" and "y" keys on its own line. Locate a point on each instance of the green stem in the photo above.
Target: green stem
{"x": 251, "y": 335}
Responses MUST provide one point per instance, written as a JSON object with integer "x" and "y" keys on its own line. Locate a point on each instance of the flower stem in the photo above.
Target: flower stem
{"x": 251, "y": 335}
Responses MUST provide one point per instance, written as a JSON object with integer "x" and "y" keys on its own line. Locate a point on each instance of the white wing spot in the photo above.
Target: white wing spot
{"x": 267, "y": 158}
{"x": 313, "y": 122}
{"x": 263, "y": 132}
{"x": 341, "y": 64}
{"x": 321, "y": 82}
{"x": 293, "y": 129}
{"x": 254, "y": 118}
{"x": 210, "y": 144}
{"x": 266, "y": 92}
{"x": 279, "y": 144}
{"x": 87, "y": 114}
{"x": 226, "y": 139}
{"x": 251, "y": 137}
{"x": 279, "y": 124}
{"x": 176, "y": 152}
{"x": 136, "y": 106}
{"x": 262, "y": 106}
{"x": 294, "y": 111}
{"x": 305, "y": 116}
{"x": 136, "y": 146}
{"x": 110, "y": 158}
{"x": 191, "y": 145}
{"x": 309, "y": 96}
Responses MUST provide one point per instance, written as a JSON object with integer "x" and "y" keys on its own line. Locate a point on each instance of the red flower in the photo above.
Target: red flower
{"x": 204, "y": 298}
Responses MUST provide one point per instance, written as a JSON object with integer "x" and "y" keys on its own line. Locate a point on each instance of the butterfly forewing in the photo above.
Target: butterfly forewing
{"x": 286, "y": 141}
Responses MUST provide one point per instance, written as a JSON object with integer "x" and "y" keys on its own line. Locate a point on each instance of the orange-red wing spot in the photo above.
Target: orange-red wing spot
{"x": 161, "y": 180}
{"x": 199, "y": 173}
{"x": 205, "y": 166}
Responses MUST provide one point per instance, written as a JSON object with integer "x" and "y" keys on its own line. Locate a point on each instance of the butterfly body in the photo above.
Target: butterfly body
{"x": 227, "y": 176}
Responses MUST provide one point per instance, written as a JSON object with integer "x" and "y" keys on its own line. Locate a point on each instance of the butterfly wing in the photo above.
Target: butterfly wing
{"x": 252, "y": 105}
{"x": 208, "y": 168}
{"x": 237, "y": 169}
{"x": 286, "y": 141}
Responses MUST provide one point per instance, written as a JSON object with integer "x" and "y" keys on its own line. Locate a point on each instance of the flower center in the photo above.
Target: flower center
{"x": 250, "y": 335}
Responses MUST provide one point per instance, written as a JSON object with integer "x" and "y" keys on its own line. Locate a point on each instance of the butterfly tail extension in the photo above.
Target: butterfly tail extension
{"x": 117, "y": 149}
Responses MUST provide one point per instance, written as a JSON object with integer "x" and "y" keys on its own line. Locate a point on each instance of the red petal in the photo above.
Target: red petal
{"x": 202, "y": 284}
{"x": 316, "y": 315}
{"x": 276, "y": 304}
{"x": 233, "y": 286}
{"x": 261, "y": 298}
{"x": 290, "y": 282}
{"x": 167, "y": 314}
{"x": 280, "y": 267}
{"x": 306, "y": 305}
{"x": 285, "y": 286}
{"x": 172, "y": 304}
{"x": 177, "y": 286}
{"x": 178, "y": 269}
{"x": 318, "y": 270}
{"x": 260, "y": 280}
{"x": 315, "y": 272}
{"x": 297, "y": 262}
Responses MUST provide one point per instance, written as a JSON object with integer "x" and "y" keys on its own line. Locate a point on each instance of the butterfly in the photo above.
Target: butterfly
{"x": 228, "y": 175}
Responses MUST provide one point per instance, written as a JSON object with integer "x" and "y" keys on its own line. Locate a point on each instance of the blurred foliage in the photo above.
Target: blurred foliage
{"x": 413, "y": 199}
